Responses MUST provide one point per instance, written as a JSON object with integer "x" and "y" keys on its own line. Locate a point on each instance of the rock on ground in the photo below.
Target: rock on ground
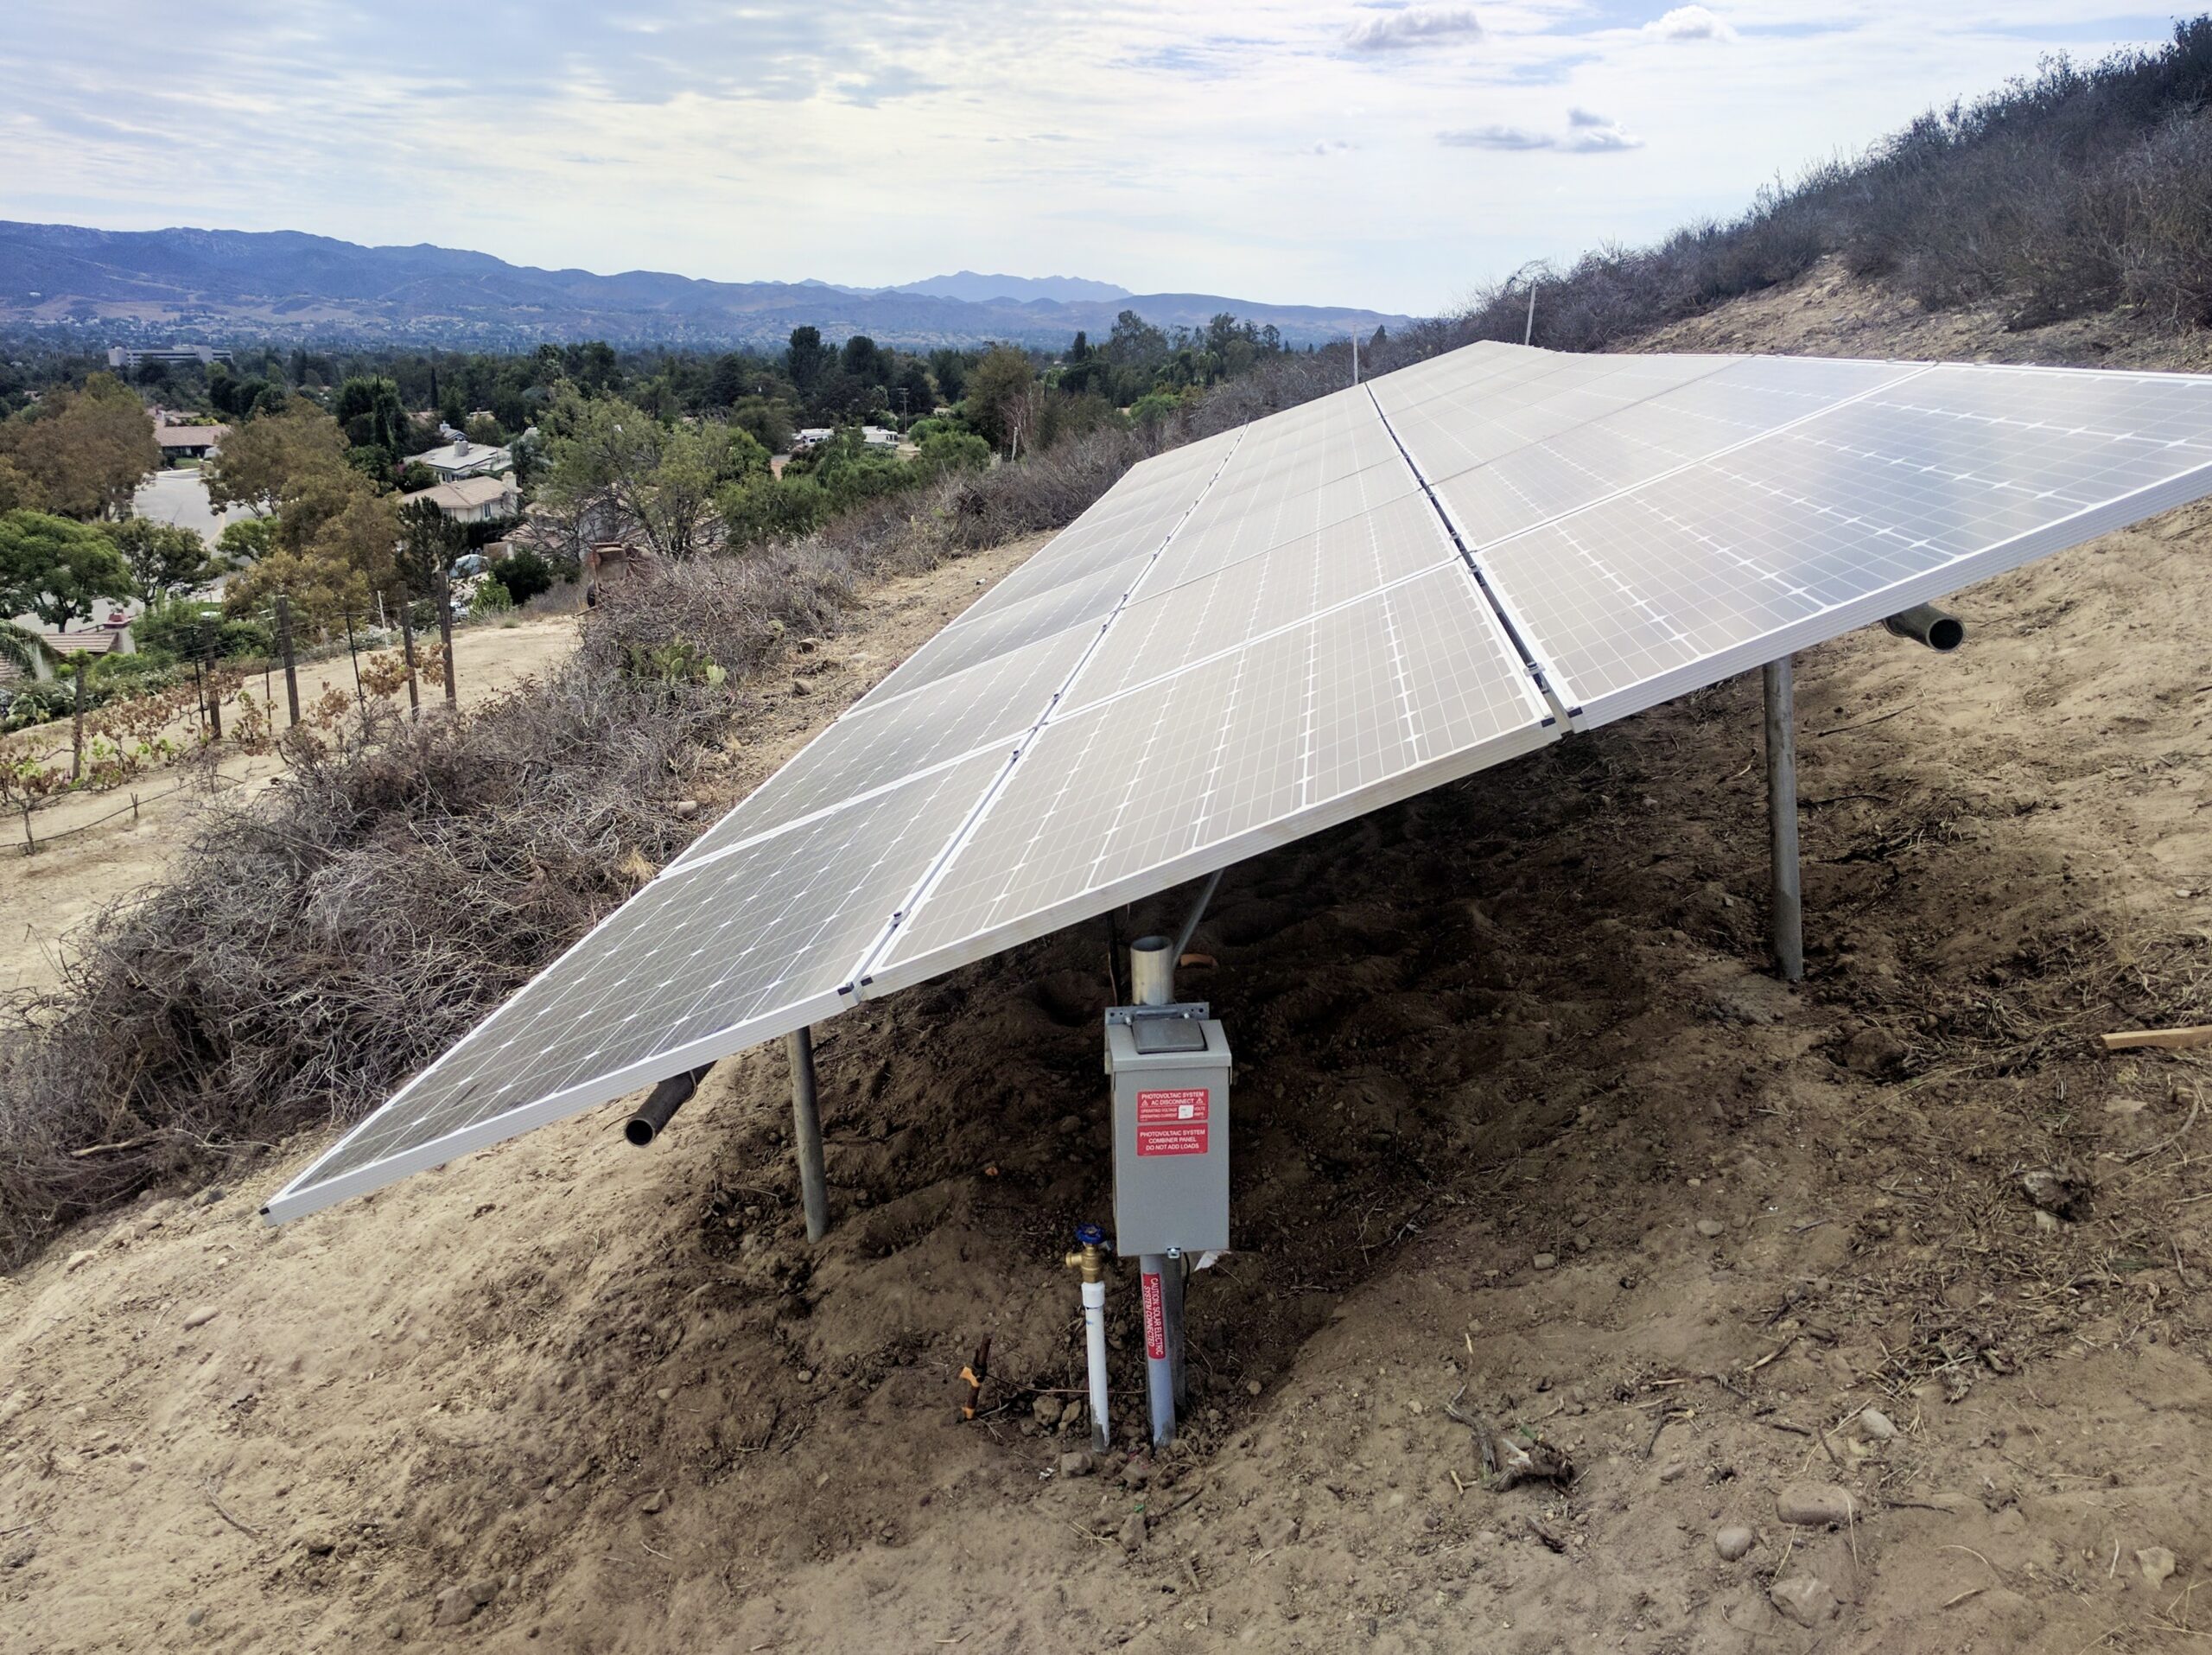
{"x": 1814, "y": 1505}
{"x": 1804, "y": 1598}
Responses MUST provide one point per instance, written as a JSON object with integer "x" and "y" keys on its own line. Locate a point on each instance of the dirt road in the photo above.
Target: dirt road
{"x": 101, "y": 850}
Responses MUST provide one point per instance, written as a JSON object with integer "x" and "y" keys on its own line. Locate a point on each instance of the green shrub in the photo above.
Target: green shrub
{"x": 489, "y": 598}
{"x": 525, "y": 573}
{"x": 131, "y": 675}
{"x": 190, "y": 631}
{"x": 40, "y": 703}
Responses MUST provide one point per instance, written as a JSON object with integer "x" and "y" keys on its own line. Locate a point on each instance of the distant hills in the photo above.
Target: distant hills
{"x": 977, "y": 289}
{"x": 229, "y": 283}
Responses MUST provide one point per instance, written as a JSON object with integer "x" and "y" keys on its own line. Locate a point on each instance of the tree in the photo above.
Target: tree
{"x": 808, "y": 359}
{"x": 919, "y": 394}
{"x": 370, "y": 414}
{"x": 165, "y": 561}
{"x": 863, "y": 360}
{"x": 263, "y": 463}
{"x": 429, "y": 542}
{"x": 79, "y": 454}
{"x": 1134, "y": 343}
{"x": 727, "y": 381}
{"x": 321, "y": 589}
{"x": 949, "y": 368}
{"x": 944, "y": 451}
{"x": 56, "y": 569}
{"x": 605, "y": 456}
{"x": 246, "y": 541}
{"x": 998, "y": 393}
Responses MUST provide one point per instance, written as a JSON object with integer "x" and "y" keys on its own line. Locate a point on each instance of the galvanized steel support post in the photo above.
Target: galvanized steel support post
{"x": 806, "y": 1134}
{"x": 1163, "y": 1338}
{"x": 1787, "y": 909}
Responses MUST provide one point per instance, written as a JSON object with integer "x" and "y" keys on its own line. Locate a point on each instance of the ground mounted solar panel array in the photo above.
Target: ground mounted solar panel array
{"x": 1261, "y": 633}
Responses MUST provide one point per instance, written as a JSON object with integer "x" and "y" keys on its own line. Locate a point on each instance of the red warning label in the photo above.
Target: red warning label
{"x": 1172, "y": 1123}
{"x": 1155, "y": 1319}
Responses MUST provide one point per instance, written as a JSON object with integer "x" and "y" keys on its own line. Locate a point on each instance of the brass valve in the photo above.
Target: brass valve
{"x": 1090, "y": 1259}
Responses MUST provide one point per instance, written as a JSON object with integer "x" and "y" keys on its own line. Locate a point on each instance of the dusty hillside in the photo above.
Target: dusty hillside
{"x": 1520, "y": 1121}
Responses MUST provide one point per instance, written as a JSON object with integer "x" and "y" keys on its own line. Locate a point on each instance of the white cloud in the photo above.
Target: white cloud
{"x": 1331, "y": 146}
{"x": 1690, "y": 23}
{"x": 766, "y": 140}
{"x": 1409, "y": 26}
{"x": 1587, "y": 134}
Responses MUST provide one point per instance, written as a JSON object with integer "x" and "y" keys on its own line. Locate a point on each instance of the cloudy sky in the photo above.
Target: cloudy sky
{"x": 1398, "y": 155}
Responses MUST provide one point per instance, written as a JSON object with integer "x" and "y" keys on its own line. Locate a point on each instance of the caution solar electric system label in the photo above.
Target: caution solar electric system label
{"x": 1172, "y": 1123}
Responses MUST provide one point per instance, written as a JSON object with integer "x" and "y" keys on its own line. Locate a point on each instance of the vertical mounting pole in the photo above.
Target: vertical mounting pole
{"x": 1529, "y": 330}
{"x": 1152, "y": 983}
{"x": 1161, "y": 1334}
{"x": 284, "y": 645}
{"x": 1788, "y": 907}
{"x": 806, "y": 1134}
{"x": 1171, "y": 1303}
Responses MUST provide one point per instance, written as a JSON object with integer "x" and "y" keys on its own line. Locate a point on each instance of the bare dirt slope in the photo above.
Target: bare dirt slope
{"x": 1520, "y": 1121}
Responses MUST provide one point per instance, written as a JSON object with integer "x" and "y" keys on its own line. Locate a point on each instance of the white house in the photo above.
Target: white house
{"x": 462, "y": 458}
{"x": 472, "y": 500}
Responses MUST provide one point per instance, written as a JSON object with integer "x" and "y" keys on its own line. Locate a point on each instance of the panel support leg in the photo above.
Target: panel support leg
{"x": 1787, "y": 908}
{"x": 806, "y": 1134}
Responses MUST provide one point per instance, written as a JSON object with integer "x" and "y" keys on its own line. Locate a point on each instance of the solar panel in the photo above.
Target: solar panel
{"x": 1271, "y": 631}
{"x": 1922, "y": 480}
{"x": 703, "y": 962}
{"x": 1302, "y": 729}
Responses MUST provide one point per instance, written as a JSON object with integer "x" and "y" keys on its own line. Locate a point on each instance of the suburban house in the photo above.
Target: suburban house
{"x": 472, "y": 500}
{"x": 462, "y": 458}
{"x": 189, "y": 442}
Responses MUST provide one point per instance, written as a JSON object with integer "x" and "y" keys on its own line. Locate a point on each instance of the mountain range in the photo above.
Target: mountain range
{"x": 219, "y": 284}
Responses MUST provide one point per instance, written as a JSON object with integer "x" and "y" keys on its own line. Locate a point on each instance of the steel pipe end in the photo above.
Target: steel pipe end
{"x": 639, "y": 1130}
{"x": 1926, "y": 624}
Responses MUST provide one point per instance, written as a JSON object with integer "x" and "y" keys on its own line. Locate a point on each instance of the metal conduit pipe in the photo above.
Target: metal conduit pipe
{"x": 1787, "y": 910}
{"x": 1151, "y": 972}
{"x": 1926, "y": 624}
{"x": 661, "y": 1103}
{"x": 806, "y": 1134}
{"x": 1198, "y": 912}
{"x": 1162, "y": 1332}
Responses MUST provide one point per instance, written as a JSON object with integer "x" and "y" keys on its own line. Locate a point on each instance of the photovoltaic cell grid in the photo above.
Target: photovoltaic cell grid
{"x": 694, "y": 967}
{"x": 1256, "y": 636}
{"x": 1305, "y": 728}
{"x": 1907, "y": 482}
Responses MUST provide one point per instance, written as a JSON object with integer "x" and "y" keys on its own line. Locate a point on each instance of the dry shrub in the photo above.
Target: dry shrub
{"x": 316, "y": 947}
{"x": 2063, "y": 192}
{"x": 404, "y": 877}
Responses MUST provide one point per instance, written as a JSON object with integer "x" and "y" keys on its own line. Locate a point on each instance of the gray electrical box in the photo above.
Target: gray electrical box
{"x": 1169, "y": 1067}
